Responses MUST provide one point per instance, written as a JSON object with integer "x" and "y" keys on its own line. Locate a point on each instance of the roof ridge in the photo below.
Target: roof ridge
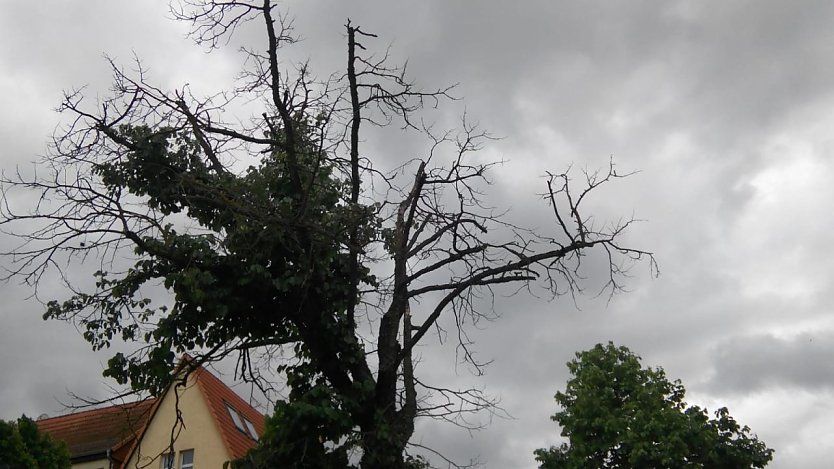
{"x": 141, "y": 433}
{"x": 222, "y": 399}
{"x": 212, "y": 410}
{"x": 231, "y": 388}
{"x": 213, "y": 391}
{"x": 97, "y": 409}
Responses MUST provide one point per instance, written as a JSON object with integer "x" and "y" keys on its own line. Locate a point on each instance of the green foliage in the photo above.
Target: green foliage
{"x": 266, "y": 265}
{"x": 305, "y": 432}
{"x": 264, "y": 254}
{"x": 22, "y": 446}
{"x": 617, "y": 414}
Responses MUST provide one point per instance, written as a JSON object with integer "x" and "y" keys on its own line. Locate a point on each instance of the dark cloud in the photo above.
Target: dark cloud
{"x": 725, "y": 109}
{"x": 758, "y": 363}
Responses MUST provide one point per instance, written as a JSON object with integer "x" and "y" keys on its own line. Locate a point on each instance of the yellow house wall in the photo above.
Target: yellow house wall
{"x": 198, "y": 431}
{"x": 97, "y": 464}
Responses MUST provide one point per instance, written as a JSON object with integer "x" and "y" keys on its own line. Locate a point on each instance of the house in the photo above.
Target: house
{"x": 196, "y": 423}
{"x": 95, "y": 438}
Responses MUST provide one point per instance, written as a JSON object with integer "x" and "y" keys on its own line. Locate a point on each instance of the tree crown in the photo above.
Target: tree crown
{"x": 271, "y": 262}
{"x": 23, "y": 446}
{"x": 615, "y": 413}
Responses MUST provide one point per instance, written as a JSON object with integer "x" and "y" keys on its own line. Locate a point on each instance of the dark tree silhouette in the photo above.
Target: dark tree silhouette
{"x": 270, "y": 235}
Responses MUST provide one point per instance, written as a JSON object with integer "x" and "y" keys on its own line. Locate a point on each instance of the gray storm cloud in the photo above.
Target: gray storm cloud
{"x": 724, "y": 108}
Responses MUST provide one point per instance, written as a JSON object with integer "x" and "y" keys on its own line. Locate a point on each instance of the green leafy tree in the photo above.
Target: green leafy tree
{"x": 23, "y": 446}
{"x": 264, "y": 231}
{"x": 617, "y": 414}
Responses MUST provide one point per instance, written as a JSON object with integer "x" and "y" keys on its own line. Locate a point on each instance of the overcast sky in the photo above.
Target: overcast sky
{"x": 726, "y": 108}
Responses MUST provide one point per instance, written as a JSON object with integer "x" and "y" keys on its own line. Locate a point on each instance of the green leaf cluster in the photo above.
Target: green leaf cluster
{"x": 262, "y": 257}
{"x": 617, "y": 414}
{"x": 23, "y": 446}
{"x": 307, "y": 431}
{"x": 313, "y": 428}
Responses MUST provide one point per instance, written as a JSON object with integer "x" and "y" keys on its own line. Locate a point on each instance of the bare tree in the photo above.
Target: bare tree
{"x": 266, "y": 233}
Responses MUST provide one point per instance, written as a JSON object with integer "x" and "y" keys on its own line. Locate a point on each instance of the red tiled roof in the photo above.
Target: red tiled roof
{"x": 218, "y": 396}
{"x": 95, "y": 431}
{"x": 119, "y": 428}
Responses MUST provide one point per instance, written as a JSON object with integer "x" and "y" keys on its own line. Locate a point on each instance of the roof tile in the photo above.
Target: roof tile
{"x": 218, "y": 396}
{"x": 98, "y": 430}
{"x": 117, "y": 427}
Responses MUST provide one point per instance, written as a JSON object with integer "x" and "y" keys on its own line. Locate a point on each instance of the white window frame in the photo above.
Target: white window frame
{"x": 252, "y": 432}
{"x": 237, "y": 419}
{"x": 183, "y": 464}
